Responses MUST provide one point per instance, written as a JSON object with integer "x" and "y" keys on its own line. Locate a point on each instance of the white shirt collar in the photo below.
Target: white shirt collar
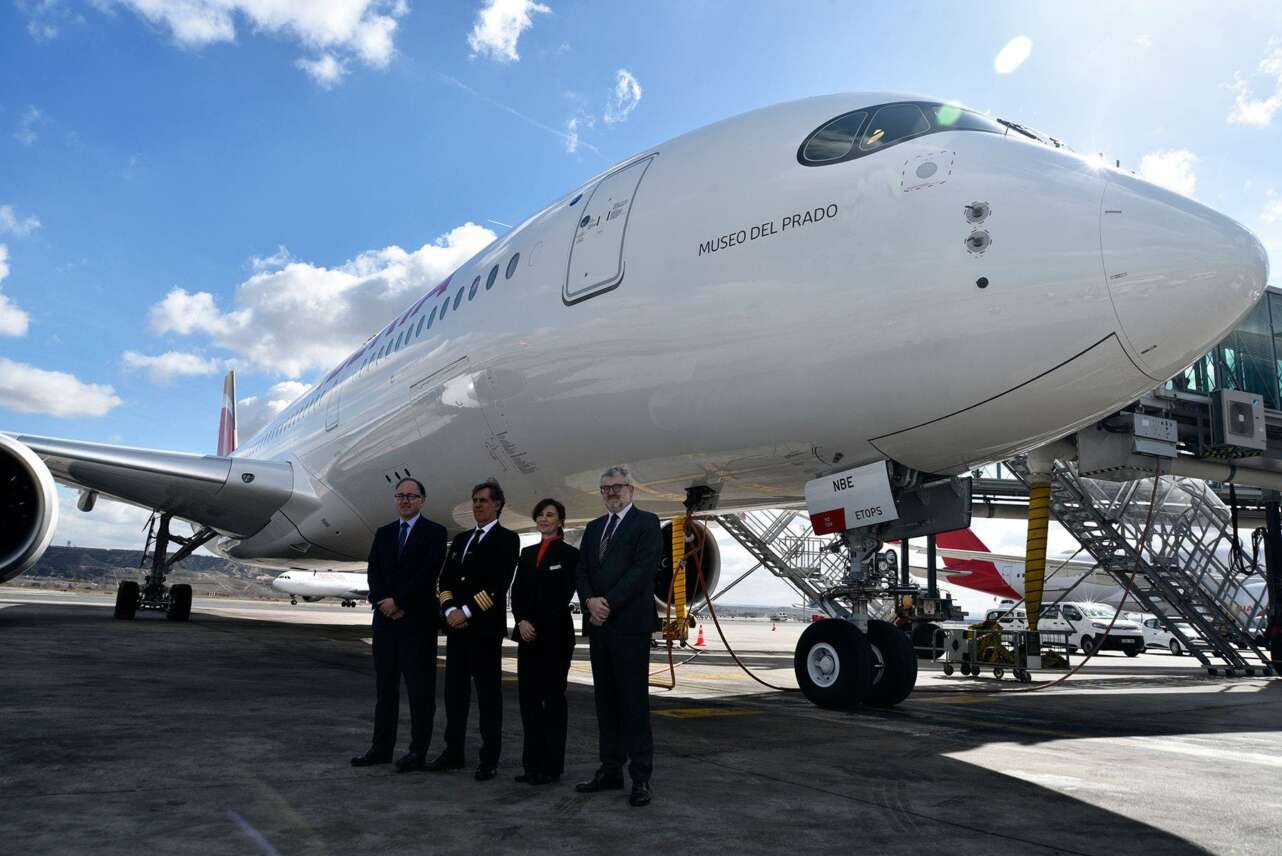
{"x": 411, "y": 521}
{"x": 622, "y": 511}
{"x": 485, "y": 530}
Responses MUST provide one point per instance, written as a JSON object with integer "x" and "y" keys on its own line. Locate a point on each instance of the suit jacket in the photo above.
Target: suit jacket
{"x": 407, "y": 576}
{"x": 480, "y": 582}
{"x": 625, "y": 575}
{"x": 541, "y": 594}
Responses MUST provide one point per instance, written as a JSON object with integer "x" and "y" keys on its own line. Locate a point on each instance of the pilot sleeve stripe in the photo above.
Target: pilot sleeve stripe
{"x": 447, "y": 596}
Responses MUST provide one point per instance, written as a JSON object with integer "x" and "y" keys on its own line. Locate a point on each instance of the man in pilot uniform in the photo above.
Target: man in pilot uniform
{"x": 478, "y": 572}
{"x": 404, "y": 562}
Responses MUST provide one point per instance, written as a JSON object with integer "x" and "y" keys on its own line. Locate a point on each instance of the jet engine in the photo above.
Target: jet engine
{"x": 702, "y": 554}
{"x": 28, "y": 508}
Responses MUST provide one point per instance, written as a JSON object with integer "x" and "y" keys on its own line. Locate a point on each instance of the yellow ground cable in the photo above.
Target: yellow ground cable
{"x": 679, "y": 572}
{"x": 1039, "y": 512}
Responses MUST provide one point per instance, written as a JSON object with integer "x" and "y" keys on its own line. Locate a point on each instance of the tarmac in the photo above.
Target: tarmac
{"x": 232, "y": 734}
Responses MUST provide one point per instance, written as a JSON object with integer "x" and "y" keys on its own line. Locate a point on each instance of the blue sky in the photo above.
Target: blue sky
{"x": 190, "y": 185}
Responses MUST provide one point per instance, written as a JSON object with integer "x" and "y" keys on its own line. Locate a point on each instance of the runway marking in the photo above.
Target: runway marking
{"x": 703, "y": 712}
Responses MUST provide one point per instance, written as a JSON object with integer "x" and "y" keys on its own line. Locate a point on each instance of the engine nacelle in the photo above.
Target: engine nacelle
{"x": 710, "y": 558}
{"x": 28, "y": 508}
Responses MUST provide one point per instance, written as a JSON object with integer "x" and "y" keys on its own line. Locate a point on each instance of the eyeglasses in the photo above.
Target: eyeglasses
{"x": 607, "y": 489}
{"x": 408, "y": 497}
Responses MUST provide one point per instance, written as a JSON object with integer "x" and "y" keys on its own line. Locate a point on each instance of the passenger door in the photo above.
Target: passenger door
{"x": 596, "y": 253}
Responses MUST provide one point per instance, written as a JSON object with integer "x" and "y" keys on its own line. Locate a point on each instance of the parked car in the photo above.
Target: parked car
{"x": 1087, "y": 626}
{"x": 1010, "y": 619}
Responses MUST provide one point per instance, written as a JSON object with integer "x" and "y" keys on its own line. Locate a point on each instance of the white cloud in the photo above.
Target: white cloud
{"x": 362, "y": 29}
{"x": 10, "y": 223}
{"x": 110, "y": 525}
{"x": 254, "y": 412}
{"x": 327, "y": 70}
{"x": 499, "y": 23}
{"x": 1012, "y": 56}
{"x": 44, "y": 17}
{"x": 1172, "y": 169}
{"x": 163, "y": 368}
{"x": 572, "y": 136}
{"x": 624, "y": 99}
{"x": 13, "y": 321}
{"x": 1247, "y": 108}
{"x": 27, "y": 389}
{"x": 1272, "y": 212}
{"x": 306, "y": 316}
{"x": 1144, "y": 41}
{"x": 275, "y": 261}
{"x": 26, "y": 132}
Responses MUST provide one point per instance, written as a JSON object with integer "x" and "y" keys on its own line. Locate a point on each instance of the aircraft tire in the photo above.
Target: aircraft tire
{"x": 179, "y": 603}
{"x": 891, "y": 684}
{"x": 833, "y": 663}
{"x": 126, "y": 600}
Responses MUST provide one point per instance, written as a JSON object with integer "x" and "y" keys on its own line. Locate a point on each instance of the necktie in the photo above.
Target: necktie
{"x": 472, "y": 542}
{"x": 405, "y": 533}
{"x": 609, "y": 533}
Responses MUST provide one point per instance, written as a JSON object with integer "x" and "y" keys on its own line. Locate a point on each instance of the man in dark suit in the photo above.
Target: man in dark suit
{"x": 474, "y": 584}
{"x": 618, "y": 560}
{"x": 404, "y": 562}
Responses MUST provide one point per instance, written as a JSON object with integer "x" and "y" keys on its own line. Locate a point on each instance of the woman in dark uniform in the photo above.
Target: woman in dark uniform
{"x": 545, "y": 635}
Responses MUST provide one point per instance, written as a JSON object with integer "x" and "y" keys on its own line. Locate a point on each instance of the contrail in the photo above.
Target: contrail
{"x": 518, "y": 114}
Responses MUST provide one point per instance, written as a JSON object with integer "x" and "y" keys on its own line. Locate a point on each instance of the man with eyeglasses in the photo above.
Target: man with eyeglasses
{"x": 618, "y": 561}
{"x": 404, "y": 563}
{"x": 478, "y": 572}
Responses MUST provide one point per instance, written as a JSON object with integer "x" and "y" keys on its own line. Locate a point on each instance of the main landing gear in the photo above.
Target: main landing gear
{"x": 175, "y": 601}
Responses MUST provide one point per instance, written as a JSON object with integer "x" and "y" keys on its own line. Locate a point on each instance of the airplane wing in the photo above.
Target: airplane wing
{"x": 235, "y": 496}
{"x": 231, "y": 496}
{"x": 983, "y": 555}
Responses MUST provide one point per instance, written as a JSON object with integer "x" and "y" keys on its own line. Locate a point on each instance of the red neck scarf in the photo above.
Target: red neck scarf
{"x": 543, "y": 548}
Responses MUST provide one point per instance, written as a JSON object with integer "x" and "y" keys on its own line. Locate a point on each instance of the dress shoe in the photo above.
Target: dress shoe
{"x": 484, "y": 774}
{"x": 411, "y": 761}
{"x": 600, "y": 782}
{"x": 371, "y": 758}
{"x": 640, "y": 794}
{"x": 444, "y": 761}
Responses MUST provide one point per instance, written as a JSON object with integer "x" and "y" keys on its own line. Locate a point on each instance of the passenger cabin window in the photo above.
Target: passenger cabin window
{"x": 854, "y": 135}
{"x": 511, "y": 267}
{"x": 431, "y": 318}
{"x": 471, "y": 292}
{"x": 1071, "y": 613}
{"x": 489, "y": 280}
{"x": 418, "y": 329}
{"x": 458, "y": 298}
{"x": 444, "y": 306}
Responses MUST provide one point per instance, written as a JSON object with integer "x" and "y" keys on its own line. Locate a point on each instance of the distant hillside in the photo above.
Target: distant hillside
{"x": 102, "y": 569}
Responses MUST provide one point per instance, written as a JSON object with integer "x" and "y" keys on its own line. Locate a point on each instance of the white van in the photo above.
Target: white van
{"x": 1087, "y": 626}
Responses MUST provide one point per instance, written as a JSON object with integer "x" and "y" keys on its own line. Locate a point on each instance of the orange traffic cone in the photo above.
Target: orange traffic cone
{"x": 698, "y": 643}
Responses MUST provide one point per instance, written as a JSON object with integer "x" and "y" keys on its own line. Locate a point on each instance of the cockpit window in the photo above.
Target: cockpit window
{"x": 854, "y": 135}
{"x": 834, "y": 140}
{"x": 893, "y": 123}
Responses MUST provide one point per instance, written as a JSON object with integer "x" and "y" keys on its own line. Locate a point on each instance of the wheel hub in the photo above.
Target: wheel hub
{"x": 823, "y": 665}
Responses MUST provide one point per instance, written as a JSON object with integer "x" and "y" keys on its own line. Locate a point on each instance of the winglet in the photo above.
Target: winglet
{"x": 228, "y": 439}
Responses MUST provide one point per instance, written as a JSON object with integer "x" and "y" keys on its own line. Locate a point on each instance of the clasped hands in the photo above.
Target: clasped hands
{"x": 388, "y": 607}
{"x": 598, "y": 610}
{"x": 456, "y": 619}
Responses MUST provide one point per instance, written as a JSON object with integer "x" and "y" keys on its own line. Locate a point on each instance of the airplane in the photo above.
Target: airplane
{"x": 312, "y": 586}
{"x": 864, "y": 279}
{"x": 969, "y": 563}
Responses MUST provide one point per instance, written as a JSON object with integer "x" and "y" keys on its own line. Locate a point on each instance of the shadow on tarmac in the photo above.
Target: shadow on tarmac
{"x": 230, "y": 735}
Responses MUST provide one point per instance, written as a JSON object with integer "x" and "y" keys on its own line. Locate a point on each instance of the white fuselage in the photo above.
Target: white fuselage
{"x": 314, "y": 585}
{"x": 839, "y": 319}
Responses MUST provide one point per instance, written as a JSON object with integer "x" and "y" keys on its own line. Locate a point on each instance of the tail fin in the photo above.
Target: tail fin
{"x": 961, "y": 539}
{"x": 228, "y": 439}
{"x": 979, "y": 574}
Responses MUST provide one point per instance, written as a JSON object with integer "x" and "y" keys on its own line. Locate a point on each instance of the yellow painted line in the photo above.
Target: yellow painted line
{"x": 703, "y": 712}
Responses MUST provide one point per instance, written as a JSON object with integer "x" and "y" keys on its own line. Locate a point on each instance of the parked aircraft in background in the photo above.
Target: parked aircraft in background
{"x": 311, "y": 586}
{"x": 802, "y": 289}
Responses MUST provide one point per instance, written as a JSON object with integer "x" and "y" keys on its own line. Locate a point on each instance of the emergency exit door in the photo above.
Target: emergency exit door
{"x": 596, "y": 255}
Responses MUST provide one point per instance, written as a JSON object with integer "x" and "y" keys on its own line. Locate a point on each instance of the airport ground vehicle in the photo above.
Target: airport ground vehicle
{"x": 1087, "y": 625}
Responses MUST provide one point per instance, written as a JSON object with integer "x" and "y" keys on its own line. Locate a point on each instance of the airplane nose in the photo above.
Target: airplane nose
{"x": 1180, "y": 274}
